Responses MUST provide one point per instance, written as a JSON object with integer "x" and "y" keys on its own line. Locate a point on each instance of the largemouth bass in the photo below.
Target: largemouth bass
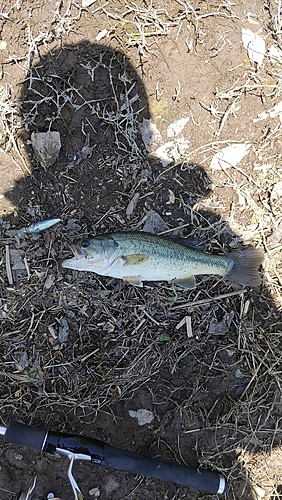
{"x": 136, "y": 257}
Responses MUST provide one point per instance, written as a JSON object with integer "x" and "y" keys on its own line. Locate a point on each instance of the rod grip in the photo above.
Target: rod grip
{"x": 108, "y": 456}
{"x": 205, "y": 480}
{"x": 25, "y": 435}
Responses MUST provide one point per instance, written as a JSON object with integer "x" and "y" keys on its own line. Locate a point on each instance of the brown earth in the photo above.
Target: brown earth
{"x": 80, "y": 351}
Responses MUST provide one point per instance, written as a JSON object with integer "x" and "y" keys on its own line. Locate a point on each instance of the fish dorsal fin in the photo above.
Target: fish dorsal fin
{"x": 134, "y": 258}
{"x": 188, "y": 282}
{"x": 196, "y": 244}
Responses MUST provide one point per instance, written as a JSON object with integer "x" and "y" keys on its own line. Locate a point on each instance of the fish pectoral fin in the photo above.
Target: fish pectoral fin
{"x": 134, "y": 258}
{"x": 188, "y": 282}
{"x": 134, "y": 280}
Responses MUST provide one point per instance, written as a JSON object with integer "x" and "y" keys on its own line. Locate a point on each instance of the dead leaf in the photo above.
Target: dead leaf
{"x": 229, "y": 156}
{"x": 171, "y": 151}
{"x": 221, "y": 327}
{"x": 176, "y": 127}
{"x": 154, "y": 223}
{"x": 151, "y": 135}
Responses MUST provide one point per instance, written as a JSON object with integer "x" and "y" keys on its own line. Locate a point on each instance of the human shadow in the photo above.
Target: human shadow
{"x": 198, "y": 387}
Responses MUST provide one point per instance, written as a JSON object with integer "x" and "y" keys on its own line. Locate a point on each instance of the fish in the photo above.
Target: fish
{"x": 137, "y": 257}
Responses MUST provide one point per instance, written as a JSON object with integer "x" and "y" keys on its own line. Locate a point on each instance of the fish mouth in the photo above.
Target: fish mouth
{"x": 82, "y": 258}
{"x": 78, "y": 255}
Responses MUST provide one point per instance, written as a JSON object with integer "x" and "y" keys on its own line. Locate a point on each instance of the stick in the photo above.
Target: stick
{"x": 211, "y": 299}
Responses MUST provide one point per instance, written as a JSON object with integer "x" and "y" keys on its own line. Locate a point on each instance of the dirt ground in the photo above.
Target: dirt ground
{"x": 81, "y": 353}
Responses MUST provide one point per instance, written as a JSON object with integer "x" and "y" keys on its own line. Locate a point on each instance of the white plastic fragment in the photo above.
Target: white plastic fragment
{"x": 165, "y": 153}
{"x": 259, "y": 491}
{"x": 143, "y": 416}
{"x": 101, "y": 35}
{"x": 46, "y": 147}
{"x": 170, "y": 151}
{"x": 87, "y": 3}
{"x": 176, "y": 127}
{"x": 229, "y": 156}
{"x": 255, "y": 46}
{"x": 3, "y": 45}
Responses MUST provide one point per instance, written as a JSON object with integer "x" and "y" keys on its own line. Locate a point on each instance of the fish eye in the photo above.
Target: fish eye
{"x": 85, "y": 244}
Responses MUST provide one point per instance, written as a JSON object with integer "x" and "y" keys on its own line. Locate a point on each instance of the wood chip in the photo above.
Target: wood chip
{"x": 132, "y": 204}
{"x": 188, "y": 322}
{"x": 8, "y": 265}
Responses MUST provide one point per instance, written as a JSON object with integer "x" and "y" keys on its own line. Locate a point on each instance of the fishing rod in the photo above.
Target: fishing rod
{"x": 80, "y": 447}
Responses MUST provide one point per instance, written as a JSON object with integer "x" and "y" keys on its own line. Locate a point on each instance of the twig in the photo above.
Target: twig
{"x": 211, "y": 299}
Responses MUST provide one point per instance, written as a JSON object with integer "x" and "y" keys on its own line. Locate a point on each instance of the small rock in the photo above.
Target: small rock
{"x": 143, "y": 416}
{"x": 50, "y": 280}
{"x": 230, "y": 352}
{"x": 46, "y": 147}
{"x": 95, "y": 492}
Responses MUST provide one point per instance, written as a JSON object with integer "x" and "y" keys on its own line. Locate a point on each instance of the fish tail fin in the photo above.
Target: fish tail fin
{"x": 245, "y": 268}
